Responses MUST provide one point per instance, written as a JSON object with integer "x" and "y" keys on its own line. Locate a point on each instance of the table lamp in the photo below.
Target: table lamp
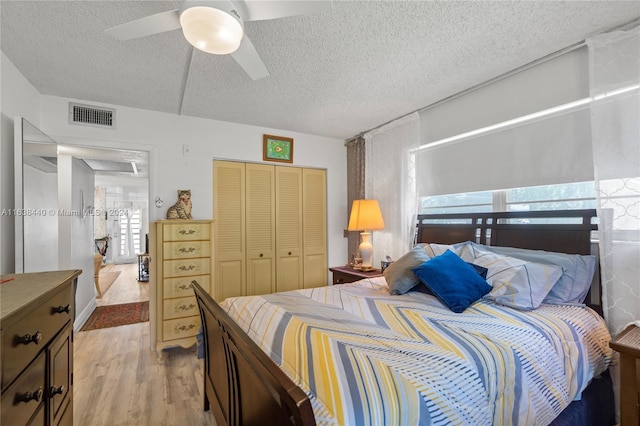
{"x": 365, "y": 216}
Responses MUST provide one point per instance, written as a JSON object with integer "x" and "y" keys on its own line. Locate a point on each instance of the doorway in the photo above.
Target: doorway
{"x": 120, "y": 206}
{"x": 126, "y": 224}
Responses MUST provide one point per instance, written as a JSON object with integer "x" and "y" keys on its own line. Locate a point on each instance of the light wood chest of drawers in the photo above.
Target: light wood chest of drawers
{"x": 180, "y": 253}
{"x": 37, "y": 312}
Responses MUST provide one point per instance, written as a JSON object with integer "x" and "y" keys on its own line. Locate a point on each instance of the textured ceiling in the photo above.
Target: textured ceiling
{"x": 334, "y": 74}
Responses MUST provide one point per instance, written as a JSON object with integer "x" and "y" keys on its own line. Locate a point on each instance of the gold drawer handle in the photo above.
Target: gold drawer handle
{"x": 187, "y": 250}
{"x": 187, "y": 268}
{"x": 186, "y": 327}
{"x": 186, "y": 307}
{"x": 183, "y": 287}
{"x": 187, "y": 231}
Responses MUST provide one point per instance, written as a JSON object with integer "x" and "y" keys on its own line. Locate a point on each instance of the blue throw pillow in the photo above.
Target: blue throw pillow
{"x": 481, "y": 270}
{"x": 452, "y": 280}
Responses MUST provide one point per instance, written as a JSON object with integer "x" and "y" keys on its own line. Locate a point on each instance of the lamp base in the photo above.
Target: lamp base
{"x": 360, "y": 268}
{"x": 366, "y": 251}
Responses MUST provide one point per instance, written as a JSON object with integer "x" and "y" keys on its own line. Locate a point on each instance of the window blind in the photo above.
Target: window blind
{"x": 548, "y": 150}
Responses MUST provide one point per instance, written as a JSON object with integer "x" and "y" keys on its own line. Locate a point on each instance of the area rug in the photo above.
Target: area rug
{"x": 106, "y": 279}
{"x": 116, "y": 315}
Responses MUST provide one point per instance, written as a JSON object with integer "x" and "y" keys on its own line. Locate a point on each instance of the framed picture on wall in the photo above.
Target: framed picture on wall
{"x": 277, "y": 148}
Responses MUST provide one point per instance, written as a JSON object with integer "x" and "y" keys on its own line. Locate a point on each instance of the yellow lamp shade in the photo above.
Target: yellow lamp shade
{"x": 365, "y": 215}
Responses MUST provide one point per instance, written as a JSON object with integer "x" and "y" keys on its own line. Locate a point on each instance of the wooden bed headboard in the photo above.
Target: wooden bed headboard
{"x": 565, "y": 231}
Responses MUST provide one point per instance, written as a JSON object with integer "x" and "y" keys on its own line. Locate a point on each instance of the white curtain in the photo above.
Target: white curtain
{"x": 390, "y": 178}
{"x": 614, "y": 71}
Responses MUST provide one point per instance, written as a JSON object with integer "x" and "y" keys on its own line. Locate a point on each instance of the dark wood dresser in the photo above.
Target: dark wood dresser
{"x": 36, "y": 325}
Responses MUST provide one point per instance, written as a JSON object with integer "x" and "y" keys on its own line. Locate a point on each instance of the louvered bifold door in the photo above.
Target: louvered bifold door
{"x": 314, "y": 225}
{"x": 289, "y": 262}
{"x": 229, "y": 217}
{"x": 260, "y": 228}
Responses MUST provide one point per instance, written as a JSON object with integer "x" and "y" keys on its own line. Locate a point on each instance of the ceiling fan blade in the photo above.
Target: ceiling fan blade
{"x": 152, "y": 24}
{"x": 257, "y": 10}
{"x": 247, "y": 57}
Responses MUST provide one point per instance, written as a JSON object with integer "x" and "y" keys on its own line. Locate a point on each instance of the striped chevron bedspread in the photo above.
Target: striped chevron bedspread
{"x": 365, "y": 357}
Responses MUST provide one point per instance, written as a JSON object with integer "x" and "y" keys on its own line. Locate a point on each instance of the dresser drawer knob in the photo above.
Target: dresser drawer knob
{"x": 62, "y": 309}
{"x": 289, "y": 253}
{"x": 53, "y": 391}
{"x": 30, "y": 396}
{"x": 28, "y": 338}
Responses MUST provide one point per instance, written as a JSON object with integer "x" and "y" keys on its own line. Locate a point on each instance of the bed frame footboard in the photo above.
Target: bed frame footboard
{"x": 242, "y": 385}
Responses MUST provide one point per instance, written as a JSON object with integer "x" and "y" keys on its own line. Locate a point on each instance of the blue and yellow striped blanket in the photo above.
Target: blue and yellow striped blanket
{"x": 365, "y": 357}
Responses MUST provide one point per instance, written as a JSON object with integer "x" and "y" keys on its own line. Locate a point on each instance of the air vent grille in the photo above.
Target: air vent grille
{"x": 90, "y": 116}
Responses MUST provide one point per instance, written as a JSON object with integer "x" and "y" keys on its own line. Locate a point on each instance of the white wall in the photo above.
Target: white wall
{"x": 18, "y": 97}
{"x": 76, "y": 190}
{"x": 164, "y": 136}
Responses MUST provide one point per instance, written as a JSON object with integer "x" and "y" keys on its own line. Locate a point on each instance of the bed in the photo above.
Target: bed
{"x": 355, "y": 354}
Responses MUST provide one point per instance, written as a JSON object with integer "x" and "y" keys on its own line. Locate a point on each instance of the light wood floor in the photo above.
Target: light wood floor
{"x": 117, "y": 379}
{"x": 126, "y": 288}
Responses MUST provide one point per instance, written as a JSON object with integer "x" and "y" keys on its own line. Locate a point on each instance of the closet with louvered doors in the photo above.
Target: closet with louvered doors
{"x": 260, "y": 229}
{"x": 229, "y": 270}
{"x": 314, "y": 211}
{"x": 262, "y": 245}
{"x": 289, "y": 253}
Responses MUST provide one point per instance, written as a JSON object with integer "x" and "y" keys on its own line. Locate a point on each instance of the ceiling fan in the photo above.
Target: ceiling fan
{"x": 217, "y": 26}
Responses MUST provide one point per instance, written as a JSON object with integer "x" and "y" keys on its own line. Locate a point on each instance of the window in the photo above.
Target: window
{"x": 619, "y": 196}
{"x": 457, "y": 203}
{"x": 569, "y": 196}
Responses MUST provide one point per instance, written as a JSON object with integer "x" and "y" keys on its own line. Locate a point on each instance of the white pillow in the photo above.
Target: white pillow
{"x": 516, "y": 282}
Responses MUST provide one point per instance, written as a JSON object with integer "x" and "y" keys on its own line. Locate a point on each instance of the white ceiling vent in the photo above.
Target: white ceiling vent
{"x": 85, "y": 115}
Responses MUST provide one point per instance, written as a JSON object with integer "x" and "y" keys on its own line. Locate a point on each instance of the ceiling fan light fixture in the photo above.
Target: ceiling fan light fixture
{"x": 211, "y": 30}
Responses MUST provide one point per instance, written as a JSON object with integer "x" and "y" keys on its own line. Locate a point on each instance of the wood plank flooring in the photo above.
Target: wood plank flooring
{"x": 126, "y": 288}
{"x": 118, "y": 381}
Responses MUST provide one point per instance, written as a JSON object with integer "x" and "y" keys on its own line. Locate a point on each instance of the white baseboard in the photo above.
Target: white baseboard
{"x": 83, "y": 316}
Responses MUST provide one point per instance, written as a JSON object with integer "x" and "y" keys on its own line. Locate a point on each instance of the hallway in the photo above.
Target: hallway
{"x": 126, "y": 288}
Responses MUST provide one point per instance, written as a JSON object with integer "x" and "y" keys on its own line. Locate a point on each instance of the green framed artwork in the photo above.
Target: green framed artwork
{"x": 277, "y": 148}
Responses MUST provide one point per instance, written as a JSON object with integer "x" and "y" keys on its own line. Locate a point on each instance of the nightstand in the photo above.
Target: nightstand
{"x": 627, "y": 344}
{"x": 345, "y": 274}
